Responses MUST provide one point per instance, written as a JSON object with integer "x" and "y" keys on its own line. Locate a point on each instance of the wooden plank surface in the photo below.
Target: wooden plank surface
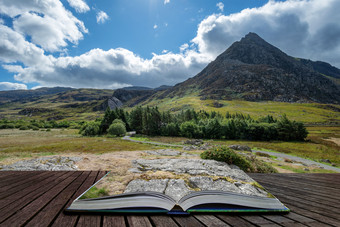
{"x": 30, "y": 198}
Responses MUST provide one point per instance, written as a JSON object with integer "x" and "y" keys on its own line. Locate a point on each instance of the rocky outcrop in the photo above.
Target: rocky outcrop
{"x": 56, "y": 163}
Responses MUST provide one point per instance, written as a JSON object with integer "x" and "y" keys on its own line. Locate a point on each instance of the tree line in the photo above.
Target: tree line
{"x": 195, "y": 124}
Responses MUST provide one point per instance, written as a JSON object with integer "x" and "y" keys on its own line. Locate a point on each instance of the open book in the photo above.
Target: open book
{"x": 158, "y": 191}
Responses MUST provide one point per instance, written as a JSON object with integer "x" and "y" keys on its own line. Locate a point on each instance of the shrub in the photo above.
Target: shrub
{"x": 229, "y": 156}
{"x": 247, "y": 164}
{"x": 259, "y": 166}
{"x": 24, "y": 127}
{"x": 118, "y": 121}
{"x": 117, "y": 129}
{"x": 35, "y": 128}
{"x": 90, "y": 129}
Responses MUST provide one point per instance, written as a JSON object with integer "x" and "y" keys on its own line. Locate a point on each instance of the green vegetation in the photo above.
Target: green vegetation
{"x": 95, "y": 192}
{"x": 117, "y": 129}
{"x": 21, "y": 144}
{"x": 247, "y": 164}
{"x": 192, "y": 124}
{"x": 303, "y": 112}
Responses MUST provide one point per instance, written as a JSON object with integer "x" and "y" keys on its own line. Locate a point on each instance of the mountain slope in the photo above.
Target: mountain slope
{"x": 254, "y": 70}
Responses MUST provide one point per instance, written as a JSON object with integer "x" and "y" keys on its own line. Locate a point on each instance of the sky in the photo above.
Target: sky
{"x": 118, "y": 43}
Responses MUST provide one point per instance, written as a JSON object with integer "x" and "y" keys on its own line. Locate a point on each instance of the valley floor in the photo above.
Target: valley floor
{"x": 97, "y": 152}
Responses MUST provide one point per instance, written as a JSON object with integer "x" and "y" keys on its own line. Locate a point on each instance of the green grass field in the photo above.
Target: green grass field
{"x": 17, "y": 143}
{"x": 309, "y": 113}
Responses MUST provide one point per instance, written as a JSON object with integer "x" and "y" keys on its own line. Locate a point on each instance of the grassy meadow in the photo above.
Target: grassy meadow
{"x": 16, "y": 143}
{"x": 309, "y": 113}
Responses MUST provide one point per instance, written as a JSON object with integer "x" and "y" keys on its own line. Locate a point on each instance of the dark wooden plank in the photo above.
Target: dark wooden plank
{"x": 288, "y": 186}
{"x": 89, "y": 221}
{"x": 138, "y": 221}
{"x": 188, "y": 221}
{"x": 29, "y": 211}
{"x": 279, "y": 219}
{"x": 12, "y": 206}
{"x": 235, "y": 220}
{"x": 309, "y": 185}
{"x": 16, "y": 177}
{"x": 20, "y": 184}
{"x": 4, "y": 202}
{"x": 210, "y": 220}
{"x": 113, "y": 221}
{"x": 258, "y": 220}
{"x": 162, "y": 221}
{"x": 52, "y": 209}
{"x": 71, "y": 219}
{"x": 303, "y": 196}
{"x": 312, "y": 215}
{"x": 307, "y": 201}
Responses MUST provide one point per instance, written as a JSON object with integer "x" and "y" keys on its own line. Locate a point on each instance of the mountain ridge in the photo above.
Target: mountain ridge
{"x": 254, "y": 70}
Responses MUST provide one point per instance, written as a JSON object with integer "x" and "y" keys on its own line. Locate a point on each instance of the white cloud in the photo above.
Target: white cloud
{"x": 79, "y": 5}
{"x": 166, "y": 2}
{"x": 102, "y": 17}
{"x": 114, "y": 68}
{"x": 184, "y": 47}
{"x": 155, "y": 26}
{"x": 14, "y": 48}
{"x": 301, "y": 28}
{"x": 220, "y": 6}
{"x": 5, "y": 86}
{"x": 47, "y": 22}
{"x": 164, "y": 51}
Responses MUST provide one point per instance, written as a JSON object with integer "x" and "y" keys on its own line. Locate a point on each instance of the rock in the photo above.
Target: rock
{"x": 326, "y": 161}
{"x": 249, "y": 189}
{"x": 145, "y": 186}
{"x": 240, "y": 147}
{"x": 55, "y": 163}
{"x": 177, "y": 188}
{"x": 114, "y": 103}
{"x": 192, "y": 167}
{"x": 207, "y": 183}
{"x": 165, "y": 152}
{"x": 195, "y": 142}
{"x": 305, "y": 169}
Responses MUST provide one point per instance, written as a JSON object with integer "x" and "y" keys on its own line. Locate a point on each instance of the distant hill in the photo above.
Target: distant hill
{"x": 254, "y": 70}
{"x": 17, "y": 95}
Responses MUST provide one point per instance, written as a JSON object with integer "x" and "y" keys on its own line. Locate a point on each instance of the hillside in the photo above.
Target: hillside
{"x": 254, "y": 70}
{"x": 54, "y": 103}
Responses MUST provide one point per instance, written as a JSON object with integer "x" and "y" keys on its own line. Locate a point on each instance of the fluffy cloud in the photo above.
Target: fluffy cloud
{"x": 102, "y": 17}
{"x": 166, "y": 2}
{"x": 220, "y": 6}
{"x": 114, "y": 68}
{"x": 4, "y": 86}
{"x": 47, "y": 22}
{"x": 304, "y": 28}
{"x": 79, "y": 5}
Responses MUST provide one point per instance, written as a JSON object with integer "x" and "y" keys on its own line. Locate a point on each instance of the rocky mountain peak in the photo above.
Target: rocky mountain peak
{"x": 252, "y": 49}
{"x": 254, "y": 70}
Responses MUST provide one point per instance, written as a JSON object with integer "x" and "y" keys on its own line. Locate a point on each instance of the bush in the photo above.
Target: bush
{"x": 117, "y": 129}
{"x": 247, "y": 164}
{"x": 35, "y": 128}
{"x": 229, "y": 156}
{"x": 24, "y": 127}
{"x": 90, "y": 129}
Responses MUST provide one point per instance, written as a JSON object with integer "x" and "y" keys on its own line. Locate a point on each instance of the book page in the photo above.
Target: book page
{"x": 175, "y": 174}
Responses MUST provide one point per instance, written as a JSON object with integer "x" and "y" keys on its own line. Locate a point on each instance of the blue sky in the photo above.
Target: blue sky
{"x": 117, "y": 43}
